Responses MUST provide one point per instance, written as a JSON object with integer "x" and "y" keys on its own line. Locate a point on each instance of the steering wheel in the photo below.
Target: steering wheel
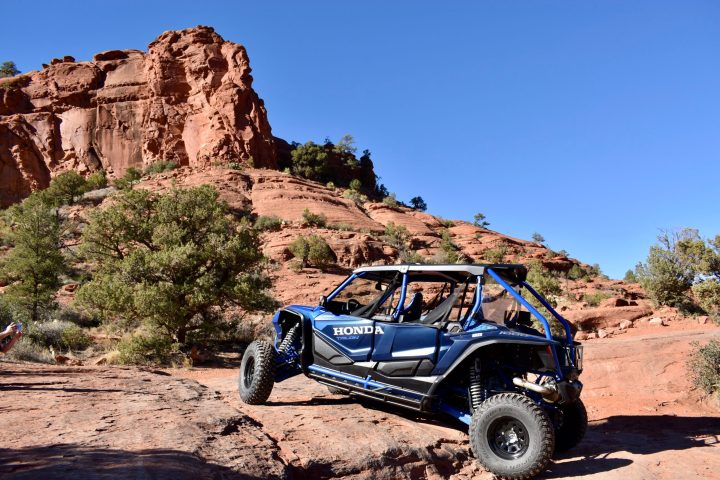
{"x": 352, "y": 305}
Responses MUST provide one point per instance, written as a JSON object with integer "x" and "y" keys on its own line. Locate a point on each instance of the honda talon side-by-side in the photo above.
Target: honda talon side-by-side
{"x": 473, "y": 342}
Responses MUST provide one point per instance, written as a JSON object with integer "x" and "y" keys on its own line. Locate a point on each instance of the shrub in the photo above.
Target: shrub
{"x": 451, "y": 252}
{"x": 269, "y": 223}
{"x": 342, "y": 226}
{"x": 65, "y": 189}
{"x": 96, "y": 181}
{"x": 399, "y": 237}
{"x": 391, "y": 201}
{"x": 704, "y": 366}
{"x": 28, "y": 351}
{"x": 355, "y": 185}
{"x": 544, "y": 283}
{"x": 160, "y": 167}
{"x": 313, "y": 219}
{"x": 594, "y": 299}
{"x": 496, "y": 255}
{"x": 411, "y": 256}
{"x": 446, "y": 223}
{"x": 295, "y": 265}
{"x": 69, "y": 314}
{"x": 668, "y": 273}
{"x": 707, "y": 294}
{"x": 630, "y": 277}
{"x": 320, "y": 255}
{"x": 312, "y": 250}
{"x": 537, "y": 238}
{"x": 576, "y": 272}
{"x": 75, "y": 338}
{"x": 59, "y": 334}
{"x": 356, "y": 197}
{"x": 331, "y": 185}
{"x": 142, "y": 349}
{"x": 127, "y": 182}
{"x": 235, "y": 165}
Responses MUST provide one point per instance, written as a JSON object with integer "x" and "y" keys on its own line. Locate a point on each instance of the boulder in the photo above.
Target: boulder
{"x": 625, "y": 324}
{"x": 614, "y": 302}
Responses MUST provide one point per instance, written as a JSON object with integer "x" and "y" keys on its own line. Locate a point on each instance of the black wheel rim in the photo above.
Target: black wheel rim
{"x": 249, "y": 372}
{"x": 508, "y": 438}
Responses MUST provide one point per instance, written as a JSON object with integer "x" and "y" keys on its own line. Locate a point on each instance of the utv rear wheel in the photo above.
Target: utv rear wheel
{"x": 573, "y": 426}
{"x": 511, "y": 436}
{"x": 257, "y": 373}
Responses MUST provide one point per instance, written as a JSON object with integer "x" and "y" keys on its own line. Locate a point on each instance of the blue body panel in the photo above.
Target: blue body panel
{"x": 352, "y": 336}
{"x": 405, "y": 341}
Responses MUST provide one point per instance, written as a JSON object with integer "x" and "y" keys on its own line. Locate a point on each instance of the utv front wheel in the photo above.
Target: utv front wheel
{"x": 257, "y": 373}
{"x": 511, "y": 436}
{"x": 573, "y": 426}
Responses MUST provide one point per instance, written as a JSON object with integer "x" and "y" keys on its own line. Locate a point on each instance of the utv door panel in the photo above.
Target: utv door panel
{"x": 403, "y": 342}
{"x": 351, "y": 336}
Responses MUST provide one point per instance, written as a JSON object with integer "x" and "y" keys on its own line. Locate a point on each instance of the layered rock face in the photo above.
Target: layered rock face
{"x": 188, "y": 99}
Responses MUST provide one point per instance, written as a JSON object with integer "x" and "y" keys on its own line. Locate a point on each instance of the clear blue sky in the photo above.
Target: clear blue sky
{"x": 593, "y": 123}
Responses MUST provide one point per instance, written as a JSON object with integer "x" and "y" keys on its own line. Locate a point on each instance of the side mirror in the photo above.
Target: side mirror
{"x": 323, "y": 301}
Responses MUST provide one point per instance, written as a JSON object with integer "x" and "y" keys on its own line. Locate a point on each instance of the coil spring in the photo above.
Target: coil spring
{"x": 289, "y": 339}
{"x": 477, "y": 392}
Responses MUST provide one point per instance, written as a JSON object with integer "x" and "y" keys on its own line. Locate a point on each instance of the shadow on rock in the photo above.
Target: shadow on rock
{"x": 638, "y": 435}
{"x": 314, "y": 401}
{"x": 80, "y": 462}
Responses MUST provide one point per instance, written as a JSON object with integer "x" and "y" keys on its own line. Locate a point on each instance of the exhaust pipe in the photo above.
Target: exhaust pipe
{"x": 548, "y": 392}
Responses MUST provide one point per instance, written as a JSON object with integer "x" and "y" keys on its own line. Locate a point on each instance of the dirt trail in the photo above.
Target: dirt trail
{"x": 85, "y": 422}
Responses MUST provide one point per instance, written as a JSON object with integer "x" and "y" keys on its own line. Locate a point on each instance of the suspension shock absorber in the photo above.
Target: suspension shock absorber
{"x": 478, "y": 394}
{"x": 290, "y": 337}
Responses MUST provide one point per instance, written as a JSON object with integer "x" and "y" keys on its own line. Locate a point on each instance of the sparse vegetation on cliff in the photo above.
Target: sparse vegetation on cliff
{"x": 335, "y": 163}
{"x": 312, "y": 250}
{"x": 311, "y": 219}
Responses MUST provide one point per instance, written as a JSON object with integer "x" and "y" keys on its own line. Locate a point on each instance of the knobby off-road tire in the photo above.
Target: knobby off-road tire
{"x": 573, "y": 428}
{"x": 511, "y": 436}
{"x": 257, "y": 373}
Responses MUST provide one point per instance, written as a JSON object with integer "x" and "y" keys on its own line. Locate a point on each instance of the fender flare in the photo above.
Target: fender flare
{"x": 473, "y": 348}
{"x": 306, "y": 352}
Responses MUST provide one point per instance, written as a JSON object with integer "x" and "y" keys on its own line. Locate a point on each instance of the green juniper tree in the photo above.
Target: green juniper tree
{"x": 174, "y": 261}
{"x": 417, "y": 203}
{"x": 34, "y": 264}
{"x": 8, "y": 69}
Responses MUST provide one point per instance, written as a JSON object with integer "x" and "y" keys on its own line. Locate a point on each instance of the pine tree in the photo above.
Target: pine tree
{"x": 35, "y": 262}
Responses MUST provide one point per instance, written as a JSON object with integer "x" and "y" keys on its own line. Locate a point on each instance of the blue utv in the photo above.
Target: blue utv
{"x": 470, "y": 341}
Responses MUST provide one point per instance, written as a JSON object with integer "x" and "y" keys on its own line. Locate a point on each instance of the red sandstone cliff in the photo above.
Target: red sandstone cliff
{"x": 189, "y": 100}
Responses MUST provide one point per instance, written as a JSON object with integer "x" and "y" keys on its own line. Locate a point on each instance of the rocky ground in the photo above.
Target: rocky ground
{"x": 114, "y": 422}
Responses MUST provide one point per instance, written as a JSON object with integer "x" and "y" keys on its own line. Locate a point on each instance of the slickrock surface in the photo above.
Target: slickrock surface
{"x": 128, "y": 423}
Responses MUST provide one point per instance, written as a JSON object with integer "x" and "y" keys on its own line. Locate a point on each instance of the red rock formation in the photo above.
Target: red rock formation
{"x": 189, "y": 99}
